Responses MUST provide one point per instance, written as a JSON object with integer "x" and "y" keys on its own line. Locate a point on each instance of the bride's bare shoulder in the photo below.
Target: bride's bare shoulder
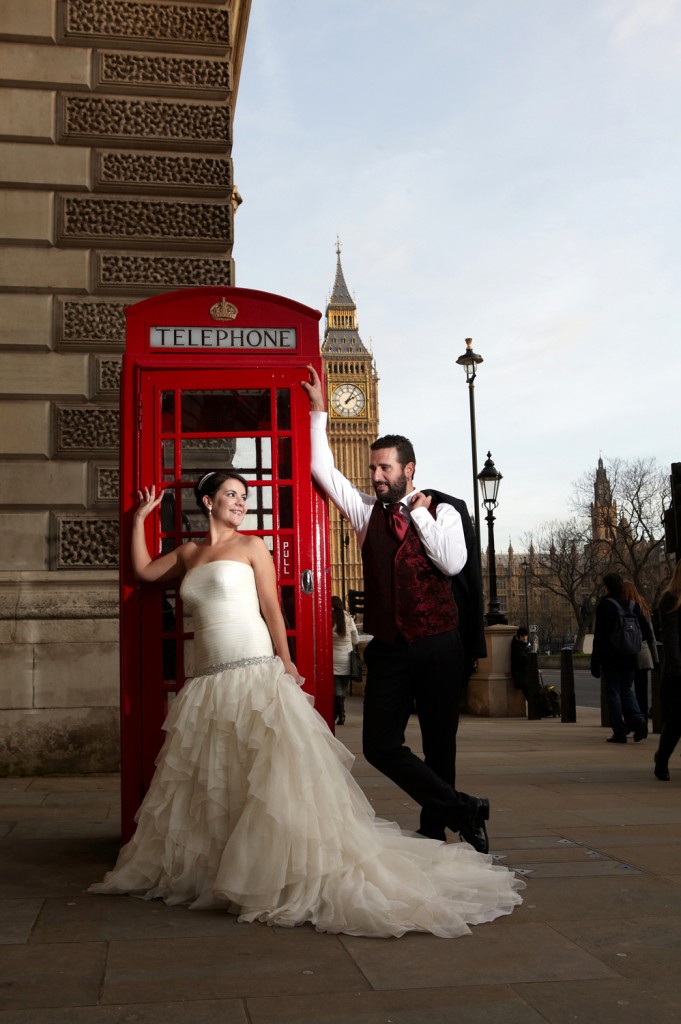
{"x": 253, "y": 547}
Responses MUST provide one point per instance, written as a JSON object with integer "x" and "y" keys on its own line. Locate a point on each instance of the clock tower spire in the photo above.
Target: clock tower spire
{"x": 352, "y": 401}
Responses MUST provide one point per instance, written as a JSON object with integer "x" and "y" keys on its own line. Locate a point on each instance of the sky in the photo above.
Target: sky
{"x": 505, "y": 170}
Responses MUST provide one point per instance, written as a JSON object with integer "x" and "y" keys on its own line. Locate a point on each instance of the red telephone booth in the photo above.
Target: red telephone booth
{"x": 211, "y": 380}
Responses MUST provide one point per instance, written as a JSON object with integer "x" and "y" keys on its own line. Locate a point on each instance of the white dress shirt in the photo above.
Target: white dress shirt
{"x": 442, "y": 537}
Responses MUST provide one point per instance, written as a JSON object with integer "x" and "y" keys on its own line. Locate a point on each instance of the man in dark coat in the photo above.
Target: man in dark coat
{"x": 520, "y": 651}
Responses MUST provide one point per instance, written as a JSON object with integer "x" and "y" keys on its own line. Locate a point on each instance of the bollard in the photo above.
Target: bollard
{"x": 568, "y": 706}
{"x": 533, "y": 686}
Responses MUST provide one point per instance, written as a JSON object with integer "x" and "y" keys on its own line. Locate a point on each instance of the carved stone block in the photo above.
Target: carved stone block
{"x": 143, "y": 122}
{"x": 91, "y": 323}
{"x": 104, "y": 486}
{"x": 86, "y": 430}
{"x": 115, "y": 272}
{"x": 128, "y": 24}
{"x": 148, "y": 223}
{"x": 116, "y": 170}
{"x": 85, "y": 542}
{"x": 107, "y": 376}
{"x": 150, "y": 73}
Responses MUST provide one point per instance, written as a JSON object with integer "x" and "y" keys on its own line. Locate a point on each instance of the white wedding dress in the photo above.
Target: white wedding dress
{"x": 253, "y": 807}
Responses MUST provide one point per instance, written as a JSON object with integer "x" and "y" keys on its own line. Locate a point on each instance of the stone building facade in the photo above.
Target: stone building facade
{"x": 526, "y": 584}
{"x": 524, "y": 602}
{"x": 115, "y": 184}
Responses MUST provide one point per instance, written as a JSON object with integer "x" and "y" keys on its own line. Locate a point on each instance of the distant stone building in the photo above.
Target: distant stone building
{"x": 524, "y": 601}
{"x": 603, "y": 508}
{"x": 115, "y": 184}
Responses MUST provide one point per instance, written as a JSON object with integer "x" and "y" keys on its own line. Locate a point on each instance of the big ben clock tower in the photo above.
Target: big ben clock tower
{"x": 352, "y": 401}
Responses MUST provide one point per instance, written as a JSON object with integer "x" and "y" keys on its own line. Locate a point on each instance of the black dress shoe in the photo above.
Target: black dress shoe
{"x": 640, "y": 730}
{"x": 616, "y": 739}
{"x": 661, "y": 769}
{"x": 474, "y": 831}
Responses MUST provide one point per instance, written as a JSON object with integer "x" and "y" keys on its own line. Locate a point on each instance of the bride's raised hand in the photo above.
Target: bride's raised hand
{"x": 148, "y": 501}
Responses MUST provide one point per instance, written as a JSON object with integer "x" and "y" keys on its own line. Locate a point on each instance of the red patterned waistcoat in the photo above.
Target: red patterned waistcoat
{"x": 404, "y": 593}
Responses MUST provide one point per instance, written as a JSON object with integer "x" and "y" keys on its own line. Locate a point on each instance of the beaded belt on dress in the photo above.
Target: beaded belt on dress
{"x": 223, "y": 666}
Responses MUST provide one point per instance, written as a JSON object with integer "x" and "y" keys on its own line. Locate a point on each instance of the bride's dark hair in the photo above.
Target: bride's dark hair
{"x": 209, "y": 484}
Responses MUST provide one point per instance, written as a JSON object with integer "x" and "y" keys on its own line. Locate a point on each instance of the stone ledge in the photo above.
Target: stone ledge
{"x": 59, "y": 741}
{"x": 68, "y": 597}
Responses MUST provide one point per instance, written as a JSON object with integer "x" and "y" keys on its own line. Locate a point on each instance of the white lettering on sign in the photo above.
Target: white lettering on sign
{"x": 286, "y": 556}
{"x": 242, "y": 338}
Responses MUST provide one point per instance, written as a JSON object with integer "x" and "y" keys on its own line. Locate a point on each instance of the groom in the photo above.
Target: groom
{"x": 411, "y": 547}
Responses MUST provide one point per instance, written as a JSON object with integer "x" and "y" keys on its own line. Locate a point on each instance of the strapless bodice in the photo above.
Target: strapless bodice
{"x": 223, "y": 601}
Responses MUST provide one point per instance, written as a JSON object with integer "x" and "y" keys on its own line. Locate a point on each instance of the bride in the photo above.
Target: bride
{"x": 252, "y": 806}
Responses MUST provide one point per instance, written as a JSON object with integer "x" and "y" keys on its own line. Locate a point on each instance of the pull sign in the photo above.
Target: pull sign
{"x": 307, "y": 581}
{"x": 286, "y": 558}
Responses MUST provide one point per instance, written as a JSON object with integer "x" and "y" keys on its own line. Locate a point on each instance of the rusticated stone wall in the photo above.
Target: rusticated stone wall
{"x": 116, "y": 183}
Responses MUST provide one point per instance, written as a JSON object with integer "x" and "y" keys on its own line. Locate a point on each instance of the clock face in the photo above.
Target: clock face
{"x": 348, "y": 400}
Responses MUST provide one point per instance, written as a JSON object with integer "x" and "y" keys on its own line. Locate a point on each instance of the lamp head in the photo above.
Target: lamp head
{"x": 489, "y": 478}
{"x": 469, "y": 360}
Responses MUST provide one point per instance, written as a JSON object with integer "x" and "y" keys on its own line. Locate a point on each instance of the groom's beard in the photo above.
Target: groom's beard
{"x": 390, "y": 493}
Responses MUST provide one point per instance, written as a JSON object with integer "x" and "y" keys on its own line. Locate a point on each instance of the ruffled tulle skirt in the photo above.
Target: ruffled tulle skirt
{"x": 253, "y": 808}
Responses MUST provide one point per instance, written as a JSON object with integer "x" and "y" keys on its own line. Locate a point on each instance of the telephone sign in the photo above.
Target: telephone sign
{"x": 242, "y": 338}
{"x": 211, "y": 380}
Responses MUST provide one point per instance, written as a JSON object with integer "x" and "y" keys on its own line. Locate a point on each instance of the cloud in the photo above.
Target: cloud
{"x": 630, "y": 19}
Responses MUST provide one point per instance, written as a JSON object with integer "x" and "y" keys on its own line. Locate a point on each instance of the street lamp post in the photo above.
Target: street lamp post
{"x": 525, "y": 566}
{"x": 489, "y": 478}
{"x": 344, "y": 541}
{"x": 470, "y": 361}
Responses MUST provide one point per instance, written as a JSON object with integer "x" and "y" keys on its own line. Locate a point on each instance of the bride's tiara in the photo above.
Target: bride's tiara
{"x": 204, "y": 478}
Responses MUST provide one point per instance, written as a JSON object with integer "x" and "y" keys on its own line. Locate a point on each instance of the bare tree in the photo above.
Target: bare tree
{"x": 565, "y": 563}
{"x": 617, "y": 527}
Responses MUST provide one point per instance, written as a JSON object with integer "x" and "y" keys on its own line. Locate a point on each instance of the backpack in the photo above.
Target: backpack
{"x": 625, "y": 638}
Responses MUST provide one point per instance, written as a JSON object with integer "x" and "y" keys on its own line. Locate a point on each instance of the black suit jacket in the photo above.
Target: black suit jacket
{"x": 467, "y": 586}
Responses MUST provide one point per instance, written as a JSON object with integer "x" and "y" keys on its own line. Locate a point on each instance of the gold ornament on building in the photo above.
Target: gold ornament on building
{"x": 223, "y": 310}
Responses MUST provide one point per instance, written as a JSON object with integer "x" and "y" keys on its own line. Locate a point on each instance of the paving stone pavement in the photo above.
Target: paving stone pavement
{"x": 598, "y": 937}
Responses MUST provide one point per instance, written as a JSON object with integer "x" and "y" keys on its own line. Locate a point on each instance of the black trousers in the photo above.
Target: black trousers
{"x": 670, "y": 698}
{"x": 425, "y": 676}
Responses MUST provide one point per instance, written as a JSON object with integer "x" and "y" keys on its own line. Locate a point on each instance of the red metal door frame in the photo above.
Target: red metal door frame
{"x": 148, "y": 373}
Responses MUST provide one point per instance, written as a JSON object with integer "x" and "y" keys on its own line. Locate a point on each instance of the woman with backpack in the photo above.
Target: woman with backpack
{"x": 618, "y": 633}
{"x": 670, "y": 681}
{"x": 647, "y": 658}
